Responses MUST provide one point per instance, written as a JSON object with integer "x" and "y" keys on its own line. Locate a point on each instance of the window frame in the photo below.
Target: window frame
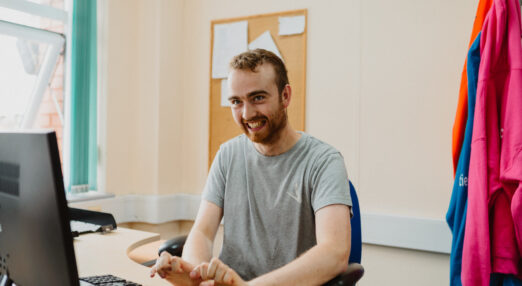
{"x": 36, "y": 9}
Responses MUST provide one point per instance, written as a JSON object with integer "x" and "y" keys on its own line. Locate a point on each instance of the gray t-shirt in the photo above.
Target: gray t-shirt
{"x": 269, "y": 202}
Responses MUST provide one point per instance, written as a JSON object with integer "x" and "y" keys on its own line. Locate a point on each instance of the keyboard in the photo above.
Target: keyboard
{"x": 106, "y": 280}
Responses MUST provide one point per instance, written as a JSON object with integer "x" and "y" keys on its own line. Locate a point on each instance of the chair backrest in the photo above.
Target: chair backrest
{"x": 356, "y": 246}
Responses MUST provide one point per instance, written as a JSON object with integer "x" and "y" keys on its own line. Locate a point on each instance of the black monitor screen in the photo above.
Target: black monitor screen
{"x": 35, "y": 238}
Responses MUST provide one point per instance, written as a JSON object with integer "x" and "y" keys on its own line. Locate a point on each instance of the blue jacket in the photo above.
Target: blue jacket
{"x": 456, "y": 216}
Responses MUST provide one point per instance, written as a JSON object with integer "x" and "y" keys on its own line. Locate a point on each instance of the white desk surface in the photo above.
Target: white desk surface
{"x": 99, "y": 254}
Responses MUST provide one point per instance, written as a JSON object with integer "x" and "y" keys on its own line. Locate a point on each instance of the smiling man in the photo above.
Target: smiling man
{"x": 283, "y": 195}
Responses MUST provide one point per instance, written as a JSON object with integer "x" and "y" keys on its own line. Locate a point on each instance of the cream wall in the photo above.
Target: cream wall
{"x": 382, "y": 86}
{"x": 143, "y": 96}
{"x": 412, "y": 57}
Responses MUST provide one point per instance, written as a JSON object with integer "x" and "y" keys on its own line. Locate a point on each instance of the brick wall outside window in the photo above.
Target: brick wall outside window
{"x": 48, "y": 116}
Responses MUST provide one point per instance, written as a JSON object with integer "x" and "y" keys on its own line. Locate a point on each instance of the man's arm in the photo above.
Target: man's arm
{"x": 198, "y": 247}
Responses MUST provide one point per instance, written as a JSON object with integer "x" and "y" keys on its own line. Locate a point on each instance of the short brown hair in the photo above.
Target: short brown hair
{"x": 252, "y": 59}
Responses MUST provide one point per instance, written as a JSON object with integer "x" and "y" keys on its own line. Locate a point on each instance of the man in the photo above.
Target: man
{"x": 283, "y": 194}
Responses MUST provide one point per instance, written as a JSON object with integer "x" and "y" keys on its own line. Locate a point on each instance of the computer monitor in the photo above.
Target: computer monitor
{"x": 36, "y": 245}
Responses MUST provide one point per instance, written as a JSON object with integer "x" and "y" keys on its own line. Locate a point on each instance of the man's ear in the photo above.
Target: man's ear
{"x": 286, "y": 95}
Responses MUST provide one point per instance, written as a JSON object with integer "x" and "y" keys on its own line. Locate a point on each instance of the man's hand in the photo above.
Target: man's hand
{"x": 174, "y": 269}
{"x": 216, "y": 273}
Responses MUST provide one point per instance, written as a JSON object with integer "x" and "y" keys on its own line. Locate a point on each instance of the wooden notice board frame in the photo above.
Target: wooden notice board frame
{"x": 293, "y": 50}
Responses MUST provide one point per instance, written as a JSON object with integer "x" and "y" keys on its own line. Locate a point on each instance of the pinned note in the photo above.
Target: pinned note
{"x": 225, "y": 93}
{"x": 291, "y": 25}
{"x": 265, "y": 41}
{"x": 229, "y": 40}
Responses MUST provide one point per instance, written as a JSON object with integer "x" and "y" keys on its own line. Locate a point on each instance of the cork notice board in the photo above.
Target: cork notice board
{"x": 293, "y": 51}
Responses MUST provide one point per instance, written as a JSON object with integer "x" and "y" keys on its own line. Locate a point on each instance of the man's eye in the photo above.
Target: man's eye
{"x": 258, "y": 98}
{"x": 234, "y": 101}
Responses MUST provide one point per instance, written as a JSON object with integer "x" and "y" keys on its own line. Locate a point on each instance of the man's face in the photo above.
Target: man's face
{"x": 256, "y": 104}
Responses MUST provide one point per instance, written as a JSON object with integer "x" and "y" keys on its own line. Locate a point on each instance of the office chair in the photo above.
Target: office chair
{"x": 349, "y": 277}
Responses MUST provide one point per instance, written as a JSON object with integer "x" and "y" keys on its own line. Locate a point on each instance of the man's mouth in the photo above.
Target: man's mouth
{"x": 256, "y": 125}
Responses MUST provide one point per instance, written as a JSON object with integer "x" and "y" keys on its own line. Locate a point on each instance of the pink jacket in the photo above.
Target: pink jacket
{"x": 493, "y": 235}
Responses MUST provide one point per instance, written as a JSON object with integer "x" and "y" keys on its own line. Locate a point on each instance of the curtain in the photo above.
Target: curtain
{"x": 83, "y": 97}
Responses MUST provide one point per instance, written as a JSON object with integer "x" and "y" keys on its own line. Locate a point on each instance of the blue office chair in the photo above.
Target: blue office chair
{"x": 353, "y": 273}
{"x": 356, "y": 246}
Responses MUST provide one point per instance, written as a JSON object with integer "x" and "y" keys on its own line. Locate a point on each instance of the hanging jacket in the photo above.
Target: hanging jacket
{"x": 490, "y": 242}
{"x": 504, "y": 280}
{"x": 456, "y": 216}
{"x": 462, "y": 106}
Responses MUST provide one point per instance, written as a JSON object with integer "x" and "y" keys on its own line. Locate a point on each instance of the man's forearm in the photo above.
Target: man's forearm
{"x": 318, "y": 265}
{"x": 198, "y": 248}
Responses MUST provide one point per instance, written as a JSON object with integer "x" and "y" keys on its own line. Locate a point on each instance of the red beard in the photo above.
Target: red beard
{"x": 271, "y": 132}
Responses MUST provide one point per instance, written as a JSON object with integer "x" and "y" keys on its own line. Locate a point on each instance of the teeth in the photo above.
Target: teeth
{"x": 254, "y": 124}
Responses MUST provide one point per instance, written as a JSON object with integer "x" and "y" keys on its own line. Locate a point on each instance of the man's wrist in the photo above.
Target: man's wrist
{"x": 256, "y": 282}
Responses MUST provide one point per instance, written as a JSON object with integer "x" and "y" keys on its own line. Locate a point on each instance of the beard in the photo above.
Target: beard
{"x": 272, "y": 130}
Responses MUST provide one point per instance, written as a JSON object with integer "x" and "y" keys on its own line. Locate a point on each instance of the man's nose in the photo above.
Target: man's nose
{"x": 249, "y": 111}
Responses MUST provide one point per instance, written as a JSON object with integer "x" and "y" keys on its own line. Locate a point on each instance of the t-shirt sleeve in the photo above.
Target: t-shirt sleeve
{"x": 214, "y": 190}
{"x": 330, "y": 183}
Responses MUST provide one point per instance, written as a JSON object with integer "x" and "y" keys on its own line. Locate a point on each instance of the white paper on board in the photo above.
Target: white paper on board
{"x": 229, "y": 40}
{"x": 266, "y": 42}
{"x": 291, "y": 25}
{"x": 224, "y": 93}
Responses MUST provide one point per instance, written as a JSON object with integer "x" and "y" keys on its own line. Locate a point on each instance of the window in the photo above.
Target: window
{"x": 30, "y": 58}
{"x": 31, "y": 50}
{"x": 36, "y": 91}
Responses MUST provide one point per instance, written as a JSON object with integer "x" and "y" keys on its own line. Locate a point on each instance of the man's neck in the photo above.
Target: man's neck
{"x": 286, "y": 141}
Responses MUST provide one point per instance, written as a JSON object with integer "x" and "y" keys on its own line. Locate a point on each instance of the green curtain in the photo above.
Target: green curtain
{"x": 84, "y": 151}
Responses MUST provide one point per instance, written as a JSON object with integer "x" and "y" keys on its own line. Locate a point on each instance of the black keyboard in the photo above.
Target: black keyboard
{"x": 106, "y": 280}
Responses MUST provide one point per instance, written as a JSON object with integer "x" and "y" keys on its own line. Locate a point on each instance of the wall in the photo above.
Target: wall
{"x": 382, "y": 87}
{"x": 142, "y": 96}
{"x": 411, "y": 63}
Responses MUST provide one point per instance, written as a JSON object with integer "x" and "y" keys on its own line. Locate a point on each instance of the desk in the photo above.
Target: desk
{"x": 99, "y": 254}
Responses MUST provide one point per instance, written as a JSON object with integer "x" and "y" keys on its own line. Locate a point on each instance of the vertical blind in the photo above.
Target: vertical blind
{"x": 83, "y": 97}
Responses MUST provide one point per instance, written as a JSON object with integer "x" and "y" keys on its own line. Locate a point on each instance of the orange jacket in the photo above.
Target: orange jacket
{"x": 459, "y": 127}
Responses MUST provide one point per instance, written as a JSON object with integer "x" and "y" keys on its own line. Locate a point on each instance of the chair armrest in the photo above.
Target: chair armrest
{"x": 353, "y": 273}
{"x": 173, "y": 246}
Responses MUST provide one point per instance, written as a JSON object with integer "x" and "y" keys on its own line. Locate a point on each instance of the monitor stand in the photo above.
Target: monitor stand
{"x": 5, "y": 281}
